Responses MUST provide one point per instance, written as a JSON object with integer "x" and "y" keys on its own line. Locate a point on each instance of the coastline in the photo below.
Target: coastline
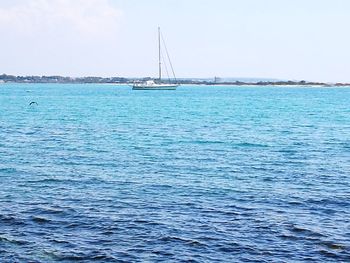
{"x": 192, "y": 85}
{"x": 130, "y": 81}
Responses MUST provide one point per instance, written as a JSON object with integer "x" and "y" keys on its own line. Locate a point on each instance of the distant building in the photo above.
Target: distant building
{"x": 217, "y": 79}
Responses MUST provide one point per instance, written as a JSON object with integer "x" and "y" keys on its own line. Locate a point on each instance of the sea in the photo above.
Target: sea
{"x": 102, "y": 173}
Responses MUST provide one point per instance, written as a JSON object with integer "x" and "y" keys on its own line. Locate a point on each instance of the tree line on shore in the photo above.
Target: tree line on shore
{"x": 122, "y": 80}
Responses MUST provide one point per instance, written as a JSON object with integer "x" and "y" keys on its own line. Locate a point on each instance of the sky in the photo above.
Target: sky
{"x": 282, "y": 39}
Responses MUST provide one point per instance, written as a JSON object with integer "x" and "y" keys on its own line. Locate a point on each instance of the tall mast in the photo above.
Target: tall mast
{"x": 159, "y": 56}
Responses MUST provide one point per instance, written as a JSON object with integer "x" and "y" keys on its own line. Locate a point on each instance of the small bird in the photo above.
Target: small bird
{"x": 33, "y": 103}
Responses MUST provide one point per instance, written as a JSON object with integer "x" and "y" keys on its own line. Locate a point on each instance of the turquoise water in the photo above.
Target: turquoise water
{"x": 102, "y": 173}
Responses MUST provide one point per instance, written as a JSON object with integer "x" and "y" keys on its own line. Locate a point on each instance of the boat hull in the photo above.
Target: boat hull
{"x": 155, "y": 87}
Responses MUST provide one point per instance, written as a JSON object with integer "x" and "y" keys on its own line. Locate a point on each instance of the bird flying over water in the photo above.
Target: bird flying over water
{"x": 33, "y": 103}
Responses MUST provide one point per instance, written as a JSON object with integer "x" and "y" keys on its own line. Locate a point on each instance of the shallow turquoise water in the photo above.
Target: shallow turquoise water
{"x": 204, "y": 174}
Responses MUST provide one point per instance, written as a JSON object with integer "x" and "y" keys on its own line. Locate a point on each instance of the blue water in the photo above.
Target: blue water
{"x": 102, "y": 173}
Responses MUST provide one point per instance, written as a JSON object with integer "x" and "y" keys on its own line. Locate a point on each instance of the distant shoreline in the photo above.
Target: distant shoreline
{"x": 4, "y": 78}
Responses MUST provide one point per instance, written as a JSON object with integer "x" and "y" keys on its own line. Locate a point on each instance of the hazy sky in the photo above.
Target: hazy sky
{"x": 286, "y": 39}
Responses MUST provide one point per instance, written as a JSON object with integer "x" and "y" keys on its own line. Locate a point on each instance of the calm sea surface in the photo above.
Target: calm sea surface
{"x": 102, "y": 173}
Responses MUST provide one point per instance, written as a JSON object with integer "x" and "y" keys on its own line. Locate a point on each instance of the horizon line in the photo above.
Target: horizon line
{"x": 215, "y": 78}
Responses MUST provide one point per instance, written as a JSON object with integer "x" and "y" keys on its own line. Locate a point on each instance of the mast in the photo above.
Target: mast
{"x": 159, "y": 56}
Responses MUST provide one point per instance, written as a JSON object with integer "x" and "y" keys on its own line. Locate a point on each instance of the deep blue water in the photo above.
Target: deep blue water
{"x": 102, "y": 173}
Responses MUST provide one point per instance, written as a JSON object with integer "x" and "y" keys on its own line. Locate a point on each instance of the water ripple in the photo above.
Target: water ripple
{"x": 216, "y": 174}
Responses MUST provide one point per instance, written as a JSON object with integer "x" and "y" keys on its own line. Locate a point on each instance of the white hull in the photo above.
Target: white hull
{"x": 155, "y": 87}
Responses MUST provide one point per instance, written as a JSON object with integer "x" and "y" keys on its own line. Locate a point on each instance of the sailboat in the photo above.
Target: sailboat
{"x": 158, "y": 85}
